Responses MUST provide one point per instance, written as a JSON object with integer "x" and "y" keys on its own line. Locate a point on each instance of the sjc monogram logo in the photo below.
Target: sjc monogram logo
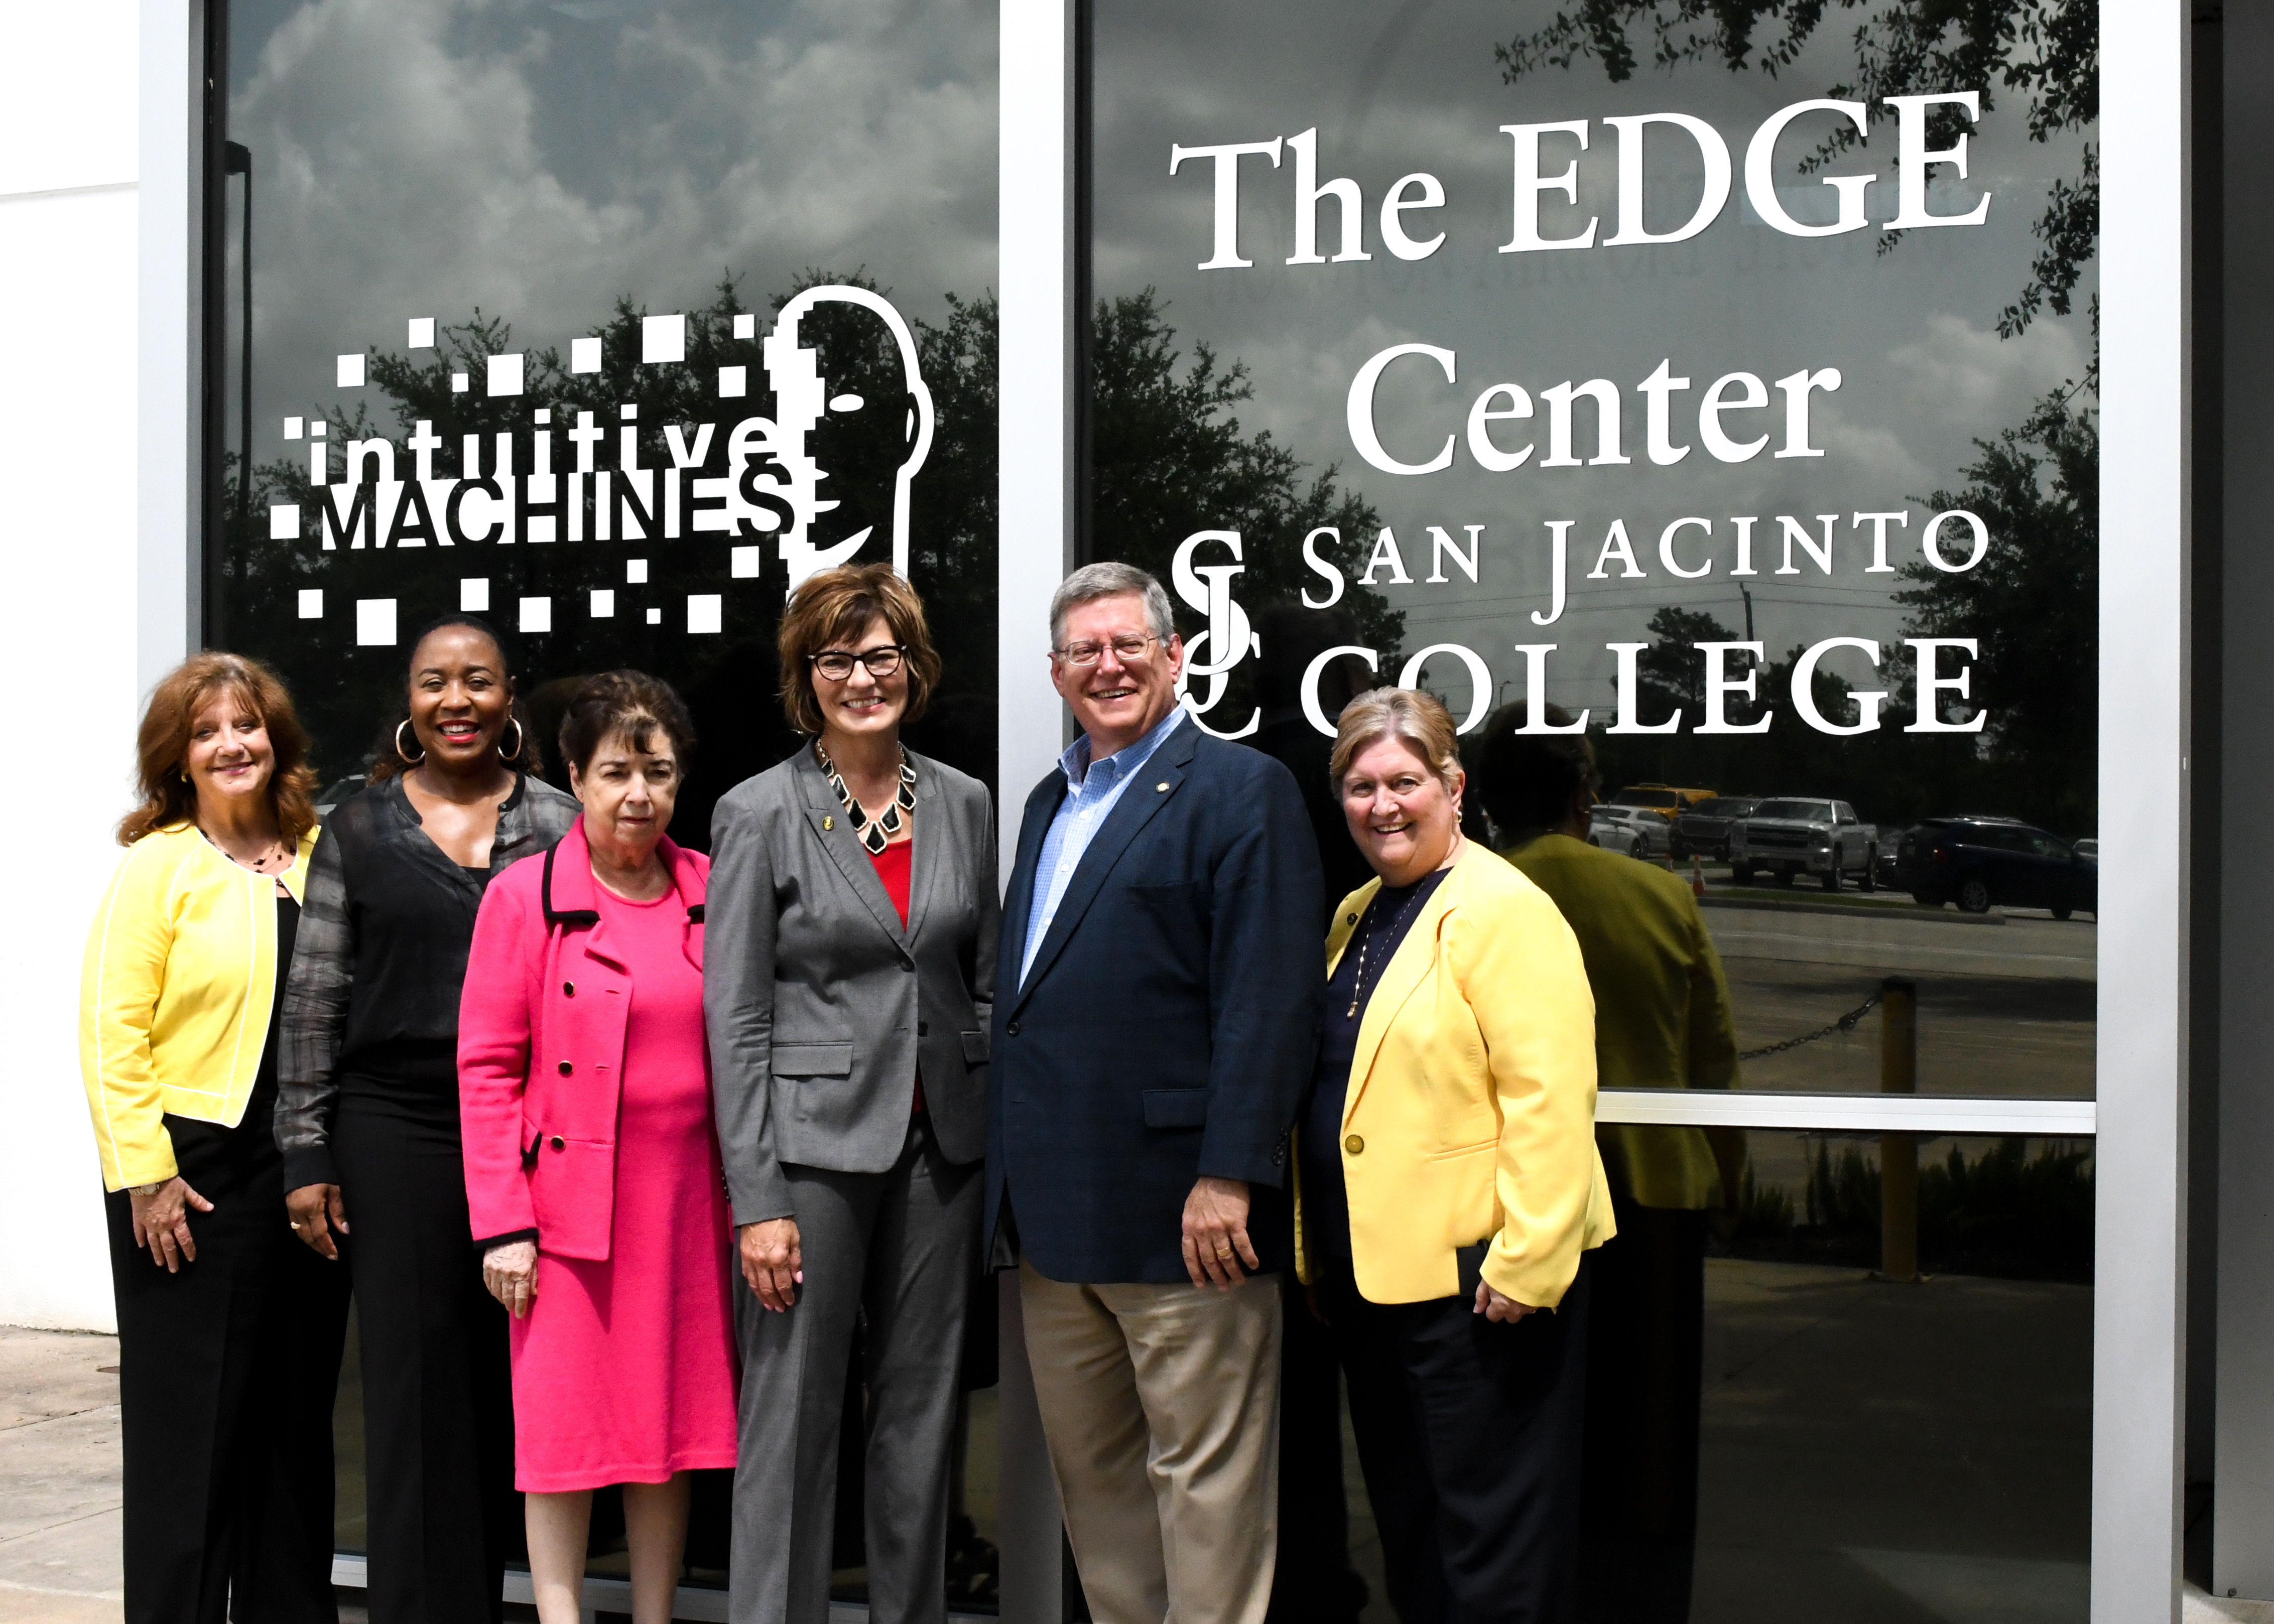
{"x": 1228, "y": 640}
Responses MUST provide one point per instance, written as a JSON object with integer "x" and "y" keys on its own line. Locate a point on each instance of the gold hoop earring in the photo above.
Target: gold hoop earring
{"x": 408, "y": 759}
{"x": 520, "y": 738}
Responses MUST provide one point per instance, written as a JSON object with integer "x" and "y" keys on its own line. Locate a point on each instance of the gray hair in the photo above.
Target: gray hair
{"x": 1093, "y": 582}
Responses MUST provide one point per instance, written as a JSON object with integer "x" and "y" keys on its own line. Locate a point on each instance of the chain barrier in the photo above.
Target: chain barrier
{"x": 1846, "y": 1023}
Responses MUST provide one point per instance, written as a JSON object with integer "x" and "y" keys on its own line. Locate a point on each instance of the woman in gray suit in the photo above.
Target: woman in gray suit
{"x": 848, "y": 985}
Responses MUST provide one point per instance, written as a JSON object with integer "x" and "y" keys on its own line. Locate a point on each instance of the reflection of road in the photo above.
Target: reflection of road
{"x": 1893, "y": 1455}
{"x": 2003, "y": 1009}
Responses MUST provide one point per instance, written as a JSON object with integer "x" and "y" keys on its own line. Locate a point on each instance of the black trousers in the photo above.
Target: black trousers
{"x": 1470, "y": 1433}
{"x": 1313, "y": 1582}
{"x": 437, "y": 1389}
{"x": 1646, "y": 1370}
{"x": 226, "y": 1375}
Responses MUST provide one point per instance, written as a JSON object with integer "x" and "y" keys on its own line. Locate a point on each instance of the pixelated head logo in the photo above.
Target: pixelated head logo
{"x": 843, "y": 461}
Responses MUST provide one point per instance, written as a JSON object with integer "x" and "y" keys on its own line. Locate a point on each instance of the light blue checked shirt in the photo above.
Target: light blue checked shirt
{"x": 1092, "y": 787}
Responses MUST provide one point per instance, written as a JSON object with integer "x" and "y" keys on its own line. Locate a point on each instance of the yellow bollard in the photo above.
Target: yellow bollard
{"x": 1898, "y": 1152}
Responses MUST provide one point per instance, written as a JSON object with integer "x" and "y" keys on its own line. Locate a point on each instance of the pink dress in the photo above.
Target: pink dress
{"x": 624, "y": 1370}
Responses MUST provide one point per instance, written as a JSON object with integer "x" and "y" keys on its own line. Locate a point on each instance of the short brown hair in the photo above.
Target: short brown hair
{"x": 1408, "y": 714}
{"x": 838, "y": 604}
{"x": 161, "y": 749}
{"x": 630, "y": 702}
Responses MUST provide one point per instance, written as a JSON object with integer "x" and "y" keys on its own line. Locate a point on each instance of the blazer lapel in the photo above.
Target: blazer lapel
{"x": 1408, "y": 968}
{"x": 1154, "y": 784}
{"x": 929, "y": 841}
{"x": 1018, "y": 905}
{"x": 834, "y": 830}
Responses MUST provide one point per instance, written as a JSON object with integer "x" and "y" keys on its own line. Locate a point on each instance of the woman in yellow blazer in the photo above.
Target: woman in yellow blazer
{"x": 1449, "y": 1189}
{"x": 230, "y": 1330}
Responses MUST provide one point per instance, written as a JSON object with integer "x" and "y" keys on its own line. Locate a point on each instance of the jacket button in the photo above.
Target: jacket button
{"x": 566, "y": 1068}
{"x": 908, "y": 964}
{"x": 923, "y": 1028}
{"x": 559, "y": 1143}
{"x": 1010, "y": 1031}
{"x": 1355, "y": 1145}
{"x": 567, "y": 989}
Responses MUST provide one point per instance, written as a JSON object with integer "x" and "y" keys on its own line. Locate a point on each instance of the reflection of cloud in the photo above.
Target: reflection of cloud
{"x": 1957, "y": 368}
{"x": 417, "y": 157}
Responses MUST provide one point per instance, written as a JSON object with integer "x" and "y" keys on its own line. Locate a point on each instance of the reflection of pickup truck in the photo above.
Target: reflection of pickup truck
{"x": 1789, "y": 837}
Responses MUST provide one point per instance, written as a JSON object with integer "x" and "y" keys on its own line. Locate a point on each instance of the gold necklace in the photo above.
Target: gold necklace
{"x": 1357, "y": 985}
{"x": 876, "y": 833}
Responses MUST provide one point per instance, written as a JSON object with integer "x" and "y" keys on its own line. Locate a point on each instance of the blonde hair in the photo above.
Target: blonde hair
{"x": 1407, "y": 714}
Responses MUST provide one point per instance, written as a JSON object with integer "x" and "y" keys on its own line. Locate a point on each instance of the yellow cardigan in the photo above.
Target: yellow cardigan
{"x": 1471, "y": 1109}
{"x": 174, "y": 995}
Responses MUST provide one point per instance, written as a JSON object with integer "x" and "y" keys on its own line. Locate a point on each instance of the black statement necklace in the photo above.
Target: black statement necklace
{"x": 876, "y": 833}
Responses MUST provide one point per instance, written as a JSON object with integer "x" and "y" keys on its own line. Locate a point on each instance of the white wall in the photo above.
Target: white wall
{"x": 68, "y": 619}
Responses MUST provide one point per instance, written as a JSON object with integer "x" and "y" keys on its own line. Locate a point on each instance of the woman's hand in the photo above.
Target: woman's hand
{"x": 1493, "y": 1306}
{"x": 162, "y": 1223}
{"x": 317, "y": 1210}
{"x": 771, "y": 1263}
{"x": 509, "y": 1271}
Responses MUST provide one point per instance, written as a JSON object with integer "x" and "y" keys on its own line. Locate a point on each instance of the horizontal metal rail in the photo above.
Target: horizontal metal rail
{"x": 1846, "y": 1112}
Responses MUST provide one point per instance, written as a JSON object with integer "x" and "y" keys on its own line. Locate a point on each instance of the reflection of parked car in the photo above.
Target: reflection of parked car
{"x": 1663, "y": 799}
{"x": 1703, "y": 827}
{"x": 1636, "y": 831}
{"x": 1790, "y": 837}
{"x": 2089, "y": 848}
{"x": 1889, "y": 867}
{"x": 1979, "y": 862}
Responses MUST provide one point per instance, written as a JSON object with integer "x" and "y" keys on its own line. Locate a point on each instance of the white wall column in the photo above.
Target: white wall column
{"x": 2141, "y": 1235}
{"x": 1035, "y": 425}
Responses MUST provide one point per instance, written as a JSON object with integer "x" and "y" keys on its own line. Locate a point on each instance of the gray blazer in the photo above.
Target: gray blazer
{"x": 821, "y": 1009}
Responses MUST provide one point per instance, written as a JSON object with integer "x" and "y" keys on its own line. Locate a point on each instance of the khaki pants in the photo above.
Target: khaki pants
{"x": 1160, "y": 1407}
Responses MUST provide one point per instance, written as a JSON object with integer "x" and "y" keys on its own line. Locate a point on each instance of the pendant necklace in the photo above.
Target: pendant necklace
{"x": 876, "y": 833}
{"x": 1358, "y": 986}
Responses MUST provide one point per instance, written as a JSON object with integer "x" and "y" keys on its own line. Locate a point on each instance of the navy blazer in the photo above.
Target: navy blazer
{"x": 1169, "y": 1023}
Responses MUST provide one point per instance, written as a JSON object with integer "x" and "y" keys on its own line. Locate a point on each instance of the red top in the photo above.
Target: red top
{"x": 893, "y": 866}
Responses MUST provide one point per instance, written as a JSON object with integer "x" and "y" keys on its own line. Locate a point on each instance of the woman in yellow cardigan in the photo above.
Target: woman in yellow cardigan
{"x": 230, "y": 1330}
{"x": 1449, "y": 1187}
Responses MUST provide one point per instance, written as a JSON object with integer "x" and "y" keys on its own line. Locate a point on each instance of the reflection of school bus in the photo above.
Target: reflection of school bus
{"x": 1663, "y": 799}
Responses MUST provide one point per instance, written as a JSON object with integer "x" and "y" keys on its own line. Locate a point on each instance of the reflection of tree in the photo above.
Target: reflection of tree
{"x": 1168, "y": 458}
{"x": 2046, "y": 50}
{"x": 2032, "y": 606}
{"x": 728, "y": 681}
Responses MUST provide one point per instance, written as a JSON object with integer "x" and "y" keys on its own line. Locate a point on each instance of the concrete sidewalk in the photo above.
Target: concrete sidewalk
{"x": 59, "y": 1493}
{"x": 59, "y": 1477}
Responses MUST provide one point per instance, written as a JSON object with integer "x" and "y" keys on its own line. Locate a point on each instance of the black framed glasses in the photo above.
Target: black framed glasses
{"x": 837, "y": 664}
{"x": 1128, "y": 648}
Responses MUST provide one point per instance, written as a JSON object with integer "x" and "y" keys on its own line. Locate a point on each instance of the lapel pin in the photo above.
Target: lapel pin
{"x": 1162, "y": 786}
{"x": 828, "y": 823}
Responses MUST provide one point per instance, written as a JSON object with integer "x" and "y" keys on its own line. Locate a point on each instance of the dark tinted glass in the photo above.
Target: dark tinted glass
{"x": 1615, "y": 359}
{"x": 615, "y": 322}
{"x": 1777, "y": 1429}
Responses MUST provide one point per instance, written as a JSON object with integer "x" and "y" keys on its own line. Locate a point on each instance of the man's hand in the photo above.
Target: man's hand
{"x": 772, "y": 1262}
{"x": 1493, "y": 1306}
{"x": 1215, "y": 1233}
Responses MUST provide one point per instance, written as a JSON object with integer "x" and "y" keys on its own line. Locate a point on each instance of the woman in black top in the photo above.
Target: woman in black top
{"x": 367, "y": 1116}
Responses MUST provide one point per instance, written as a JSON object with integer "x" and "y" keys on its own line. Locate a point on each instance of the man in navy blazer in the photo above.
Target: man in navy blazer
{"x": 1161, "y": 989}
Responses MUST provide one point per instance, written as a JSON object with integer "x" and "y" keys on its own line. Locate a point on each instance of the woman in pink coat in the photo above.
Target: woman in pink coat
{"x": 592, "y": 1169}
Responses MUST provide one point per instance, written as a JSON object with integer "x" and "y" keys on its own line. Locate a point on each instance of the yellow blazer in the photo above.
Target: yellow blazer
{"x": 175, "y": 994}
{"x": 1471, "y": 1110}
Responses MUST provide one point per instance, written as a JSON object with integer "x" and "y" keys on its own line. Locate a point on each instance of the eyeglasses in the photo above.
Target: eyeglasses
{"x": 1128, "y": 648}
{"x": 836, "y": 664}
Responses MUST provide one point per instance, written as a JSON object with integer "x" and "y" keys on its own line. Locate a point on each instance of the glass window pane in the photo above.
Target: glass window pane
{"x": 1565, "y": 365}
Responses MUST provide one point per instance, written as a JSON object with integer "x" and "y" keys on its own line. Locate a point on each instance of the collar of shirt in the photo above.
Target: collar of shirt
{"x": 1075, "y": 761}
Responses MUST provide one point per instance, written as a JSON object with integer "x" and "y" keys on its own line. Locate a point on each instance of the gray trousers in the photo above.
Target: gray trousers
{"x": 894, "y": 1251}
